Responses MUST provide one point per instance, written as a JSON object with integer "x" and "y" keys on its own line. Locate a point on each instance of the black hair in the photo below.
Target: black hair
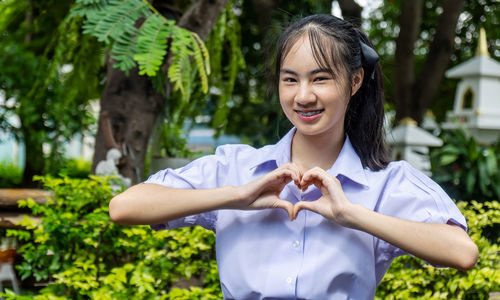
{"x": 336, "y": 46}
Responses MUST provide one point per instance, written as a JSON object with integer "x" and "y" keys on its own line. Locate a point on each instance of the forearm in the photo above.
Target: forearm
{"x": 153, "y": 204}
{"x": 439, "y": 244}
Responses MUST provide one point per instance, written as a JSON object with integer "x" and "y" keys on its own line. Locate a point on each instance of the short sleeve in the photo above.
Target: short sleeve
{"x": 411, "y": 195}
{"x": 204, "y": 173}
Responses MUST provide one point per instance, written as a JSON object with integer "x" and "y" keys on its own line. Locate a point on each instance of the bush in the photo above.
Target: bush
{"x": 75, "y": 168}
{"x": 465, "y": 169}
{"x": 10, "y": 175}
{"x": 411, "y": 278}
{"x": 80, "y": 254}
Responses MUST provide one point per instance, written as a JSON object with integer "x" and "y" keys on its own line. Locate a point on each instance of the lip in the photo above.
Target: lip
{"x": 311, "y": 118}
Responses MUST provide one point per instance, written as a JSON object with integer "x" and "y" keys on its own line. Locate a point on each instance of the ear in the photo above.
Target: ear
{"x": 357, "y": 81}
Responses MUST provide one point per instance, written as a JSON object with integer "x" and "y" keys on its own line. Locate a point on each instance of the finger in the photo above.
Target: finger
{"x": 311, "y": 178}
{"x": 282, "y": 174}
{"x": 318, "y": 177}
{"x": 287, "y": 206}
{"x": 296, "y": 174}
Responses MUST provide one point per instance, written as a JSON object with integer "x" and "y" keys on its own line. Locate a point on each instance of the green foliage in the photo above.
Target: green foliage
{"x": 224, "y": 62}
{"x": 10, "y": 175}
{"x": 81, "y": 254}
{"x": 51, "y": 105}
{"x": 114, "y": 23}
{"x": 383, "y": 29}
{"x": 465, "y": 169}
{"x": 227, "y": 32}
{"x": 75, "y": 168}
{"x": 410, "y": 278}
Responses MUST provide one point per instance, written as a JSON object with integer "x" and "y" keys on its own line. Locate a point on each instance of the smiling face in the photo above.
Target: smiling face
{"x": 312, "y": 99}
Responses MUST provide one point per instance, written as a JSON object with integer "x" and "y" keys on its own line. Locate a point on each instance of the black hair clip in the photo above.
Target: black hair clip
{"x": 370, "y": 58}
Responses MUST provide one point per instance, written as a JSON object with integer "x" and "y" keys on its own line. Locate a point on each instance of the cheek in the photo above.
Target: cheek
{"x": 286, "y": 96}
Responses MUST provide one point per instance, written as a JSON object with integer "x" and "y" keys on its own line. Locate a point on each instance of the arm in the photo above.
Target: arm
{"x": 440, "y": 244}
{"x": 154, "y": 204}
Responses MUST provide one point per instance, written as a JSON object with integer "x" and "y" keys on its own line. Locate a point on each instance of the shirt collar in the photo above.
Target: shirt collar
{"x": 348, "y": 163}
{"x": 278, "y": 153}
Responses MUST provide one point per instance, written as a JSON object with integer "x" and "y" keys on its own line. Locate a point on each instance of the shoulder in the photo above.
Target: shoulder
{"x": 244, "y": 155}
{"x": 230, "y": 150}
{"x": 411, "y": 194}
{"x": 402, "y": 174}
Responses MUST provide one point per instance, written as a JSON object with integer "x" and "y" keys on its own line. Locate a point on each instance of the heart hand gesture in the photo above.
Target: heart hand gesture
{"x": 333, "y": 204}
{"x": 264, "y": 193}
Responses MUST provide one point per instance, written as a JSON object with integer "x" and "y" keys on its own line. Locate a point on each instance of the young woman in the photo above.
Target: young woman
{"x": 321, "y": 214}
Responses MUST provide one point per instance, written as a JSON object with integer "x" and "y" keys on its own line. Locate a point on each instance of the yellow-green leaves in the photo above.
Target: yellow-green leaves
{"x": 411, "y": 278}
{"x": 78, "y": 251}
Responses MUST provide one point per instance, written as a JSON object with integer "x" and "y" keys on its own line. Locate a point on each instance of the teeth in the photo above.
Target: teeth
{"x": 309, "y": 113}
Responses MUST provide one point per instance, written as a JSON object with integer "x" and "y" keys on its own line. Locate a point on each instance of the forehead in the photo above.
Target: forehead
{"x": 300, "y": 54}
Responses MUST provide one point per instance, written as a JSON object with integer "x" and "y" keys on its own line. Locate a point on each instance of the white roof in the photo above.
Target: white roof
{"x": 481, "y": 65}
{"x": 412, "y": 135}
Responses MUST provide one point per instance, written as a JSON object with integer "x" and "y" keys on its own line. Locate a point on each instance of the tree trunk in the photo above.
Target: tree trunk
{"x": 351, "y": 11}
{"x": 440, "y": 50}
{"x": 133, "y": 106}
{"x": 33, "y": 147}
{"x": 409, "y": 24}
{"x": 132, "y": 103}
{"x": 34, "y": 158}
{"x": 414, "y": 96}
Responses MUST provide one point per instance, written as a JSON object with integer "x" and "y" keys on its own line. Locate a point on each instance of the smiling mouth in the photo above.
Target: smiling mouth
{"x": 309, "y": 113}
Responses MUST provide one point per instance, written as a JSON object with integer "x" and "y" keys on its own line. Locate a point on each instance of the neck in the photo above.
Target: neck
{"x": 309, "y": 151}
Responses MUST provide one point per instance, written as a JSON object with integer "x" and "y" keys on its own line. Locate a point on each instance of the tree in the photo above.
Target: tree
{"x": 38, "y": 38}
{"x": 413, "y": 96}
{"x": 431, "y": 36}
{"x": 133, "y": 102}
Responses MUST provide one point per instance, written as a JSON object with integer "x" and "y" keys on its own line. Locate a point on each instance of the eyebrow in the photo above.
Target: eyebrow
{"x": 313, "y": 72}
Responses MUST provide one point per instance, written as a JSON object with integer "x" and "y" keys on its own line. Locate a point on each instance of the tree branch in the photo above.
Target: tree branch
{"x": 351, "y": 11}
{"x": 202, "y": 15}
{"x": 440, "y": 50}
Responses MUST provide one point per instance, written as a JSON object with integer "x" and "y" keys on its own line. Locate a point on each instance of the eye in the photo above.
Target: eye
{"x": 289, "y": 79}
{"x": 321, "y": 78}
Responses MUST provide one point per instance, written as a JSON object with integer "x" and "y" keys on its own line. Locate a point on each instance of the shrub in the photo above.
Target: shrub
{"x": 10, "y": 175}
{"x": 411, "y": 278}
{"x": 79, "y": 253}
{"x": 465, "y": 169}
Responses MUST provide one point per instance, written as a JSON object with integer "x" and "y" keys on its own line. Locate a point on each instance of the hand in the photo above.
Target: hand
{"x": 333, "y": 204}
{"x": 264, "y": 191}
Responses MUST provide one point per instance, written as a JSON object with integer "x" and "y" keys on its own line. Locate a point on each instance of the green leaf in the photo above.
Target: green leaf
{"x": 152, "y": 44}
{"x": 447, "y": 159}
{"x": 470, "y": 181}
{"x": 491, "y": 163}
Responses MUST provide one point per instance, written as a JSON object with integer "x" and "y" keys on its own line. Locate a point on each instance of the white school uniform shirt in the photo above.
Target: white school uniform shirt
{"x": 261, "y": 254}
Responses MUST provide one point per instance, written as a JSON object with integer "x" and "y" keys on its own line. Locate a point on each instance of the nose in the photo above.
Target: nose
{"x": 305, "y": 95}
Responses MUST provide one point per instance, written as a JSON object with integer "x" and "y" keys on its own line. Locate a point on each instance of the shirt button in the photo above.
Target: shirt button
{"x": 289, "y": 280}
{"x": 296, "y": 244}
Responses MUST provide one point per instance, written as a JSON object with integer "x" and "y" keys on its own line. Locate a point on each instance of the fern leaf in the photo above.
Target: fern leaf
{"x": 117, "y": 19}
{"x": 152, "y": 44}
{"x": 204, "y": 51}
{"x": 202, "y": 61}
{"x": 179, "y": 72}
{"x": 123, "y": 51}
